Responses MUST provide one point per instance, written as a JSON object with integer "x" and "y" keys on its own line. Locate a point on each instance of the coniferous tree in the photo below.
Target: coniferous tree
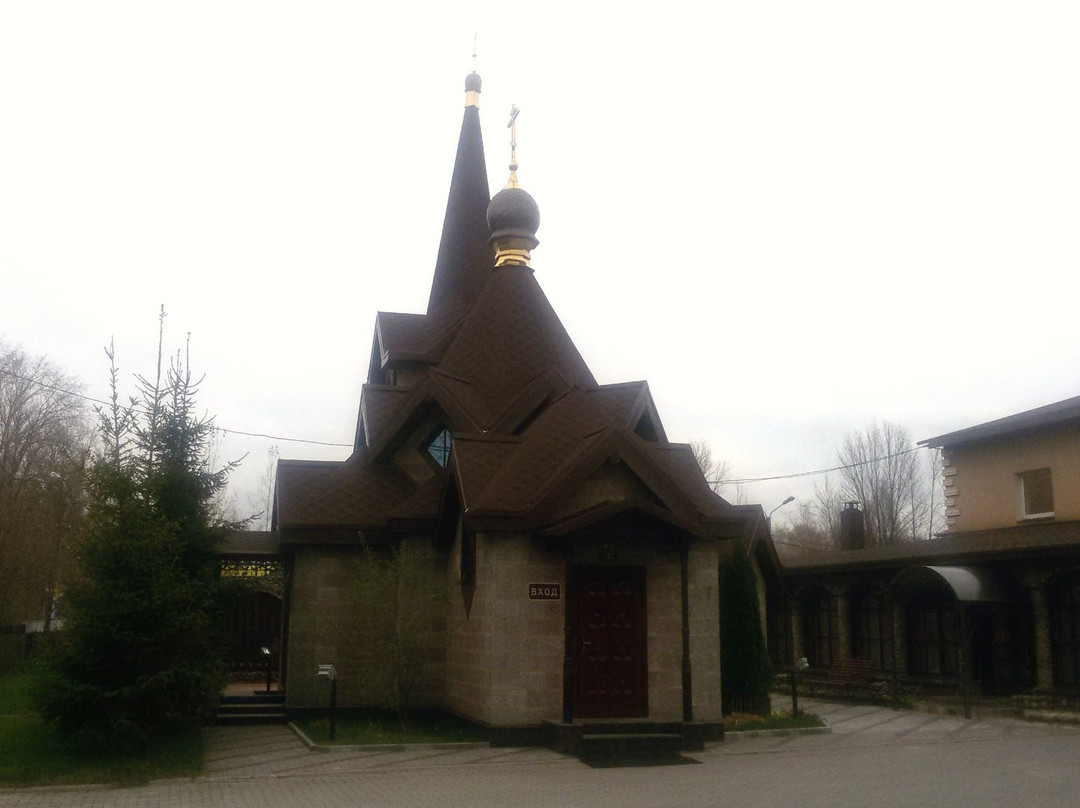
{"x": 143, "y": 651}
{"x": 746, "y": 672}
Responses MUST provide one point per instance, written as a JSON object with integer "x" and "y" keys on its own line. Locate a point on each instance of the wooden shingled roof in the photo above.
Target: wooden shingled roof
{"x": 531, "y": 429}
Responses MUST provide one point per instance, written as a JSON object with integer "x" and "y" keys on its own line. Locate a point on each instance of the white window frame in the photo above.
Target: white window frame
{"x": 1022, "y": 514}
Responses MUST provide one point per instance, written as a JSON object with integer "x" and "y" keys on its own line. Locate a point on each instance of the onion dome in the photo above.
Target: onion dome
{"x": 472, "y": 89}
{"x": 513, "y": 216}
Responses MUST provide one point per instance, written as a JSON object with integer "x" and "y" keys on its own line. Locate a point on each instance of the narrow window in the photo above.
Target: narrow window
{"x": 439, "y": 448}
{"x": 1036, "y": 494}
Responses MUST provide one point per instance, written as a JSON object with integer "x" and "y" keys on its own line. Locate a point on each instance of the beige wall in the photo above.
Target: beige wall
{"x": 501, "y": 661}
{"x": 505, "y": 654}
{"x": 982, "y": 487}
{"x": 705, "y": 629}
{"x": 326, "y": 626}
{"x": 319, "y": 620}
{"x": 504, "y": 664}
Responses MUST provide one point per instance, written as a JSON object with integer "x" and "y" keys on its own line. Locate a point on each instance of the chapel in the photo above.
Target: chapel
{"x": 562, "y": 553}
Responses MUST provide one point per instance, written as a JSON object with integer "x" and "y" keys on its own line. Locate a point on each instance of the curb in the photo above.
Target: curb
{"x": 740, "y": 735}
{"x": 381, "y": 747}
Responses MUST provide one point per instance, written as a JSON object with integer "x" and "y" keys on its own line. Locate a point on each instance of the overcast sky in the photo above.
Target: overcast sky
{"x": 791, "y": 218}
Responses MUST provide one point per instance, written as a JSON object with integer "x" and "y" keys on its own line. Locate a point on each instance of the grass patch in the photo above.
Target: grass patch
{"x": 371, "y": 728}
{"x": 32, "y": 754}
{"x": 15, "y": 694}
{"x": 740, "y": 722}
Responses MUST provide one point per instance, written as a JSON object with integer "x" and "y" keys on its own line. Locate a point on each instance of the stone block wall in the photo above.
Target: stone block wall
{"x": 422, "y": 599}
{"x": 663, "y": 583}
{"x": 705, "y": 629}
{"x": 330, "y": 622}
{"x": 499, "y": 659}
{"x": 505, "y": 653}
{"x": 321, "y": 627}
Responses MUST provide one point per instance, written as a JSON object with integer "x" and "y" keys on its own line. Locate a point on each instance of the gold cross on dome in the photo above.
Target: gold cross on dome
{"x": 512, "y": 126}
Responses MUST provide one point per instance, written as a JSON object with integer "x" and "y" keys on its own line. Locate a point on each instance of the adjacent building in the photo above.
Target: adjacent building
{"x": 993, "y": 602}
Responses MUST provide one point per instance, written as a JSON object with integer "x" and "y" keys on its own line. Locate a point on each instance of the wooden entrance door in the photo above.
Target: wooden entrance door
{"x": 609, "y": 613}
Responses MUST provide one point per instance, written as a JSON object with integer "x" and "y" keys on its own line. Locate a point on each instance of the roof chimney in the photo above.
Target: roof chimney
{"x": 852, "y": 527}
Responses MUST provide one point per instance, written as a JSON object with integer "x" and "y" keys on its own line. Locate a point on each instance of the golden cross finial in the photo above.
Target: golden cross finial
{"x": 512, "y": 126}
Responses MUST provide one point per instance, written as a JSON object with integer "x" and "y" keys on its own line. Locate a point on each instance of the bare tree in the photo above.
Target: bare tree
{"x": 828, "y": 502}
{"x": 805, "y": 532}
{"x": 883, "y": 473}
{"x": 44, "y": 443}
{"x": 261, "y": 501}
{"x": 716, "y": 471}
{"x": 936, "y": 522}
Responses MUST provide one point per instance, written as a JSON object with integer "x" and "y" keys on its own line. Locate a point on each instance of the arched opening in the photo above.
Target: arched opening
{"x": 966, "y": 623}
{"x": 871, "y": 627}
{"x": 821, "y": 627}
{"x": 778, "y": 634}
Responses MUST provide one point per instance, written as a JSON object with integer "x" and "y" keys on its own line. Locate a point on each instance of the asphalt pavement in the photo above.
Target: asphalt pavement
{"x": 872, "y": 756}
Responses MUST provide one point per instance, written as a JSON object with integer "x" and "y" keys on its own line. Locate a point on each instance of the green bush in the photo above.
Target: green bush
{"x": 745, "y": 669}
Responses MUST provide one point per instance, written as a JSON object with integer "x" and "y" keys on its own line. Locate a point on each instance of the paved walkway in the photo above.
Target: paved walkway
{"x": 873, "y": 757}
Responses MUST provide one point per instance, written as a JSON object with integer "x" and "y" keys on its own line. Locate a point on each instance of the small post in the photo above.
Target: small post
{"x": 796, "y": 669}
{"x": 333, "y": 710}
{"x": 328, "y": 672}
{"x": 965, "y": 638}
{"x": 269, "y": 669}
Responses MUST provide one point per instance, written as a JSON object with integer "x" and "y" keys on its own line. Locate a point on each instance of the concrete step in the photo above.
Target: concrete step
{"x": 630, "y": 743}
{"x": 273, "y": 697}
{"x": 258, "y": 708}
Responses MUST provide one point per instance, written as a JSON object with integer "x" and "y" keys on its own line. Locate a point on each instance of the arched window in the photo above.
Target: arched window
{"x": 871, "y": 628}
{"x": 820, "y": 628}
{"x": 931, "y": 638}
{"x": 778, "y": 628}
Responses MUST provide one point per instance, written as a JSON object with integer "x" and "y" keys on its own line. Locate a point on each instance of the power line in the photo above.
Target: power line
{"x": 818, "y": 471}
{"x": 93, "y": 400}
{"x": 349, "y": 445}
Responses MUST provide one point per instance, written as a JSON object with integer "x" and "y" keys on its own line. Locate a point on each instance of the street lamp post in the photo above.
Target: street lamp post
{"x": 269, "y": 657}
{"x": 774, "y": 510}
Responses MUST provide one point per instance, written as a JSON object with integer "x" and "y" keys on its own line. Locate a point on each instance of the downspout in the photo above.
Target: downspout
{"x": 570, "y": 640}
{"x": 687, "y": 678}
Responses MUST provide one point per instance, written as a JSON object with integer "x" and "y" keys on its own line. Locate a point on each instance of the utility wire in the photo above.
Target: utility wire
{"x": 818, "y": 471}
{"x": 57, "y": 389}
{"x": 93, "y": 400}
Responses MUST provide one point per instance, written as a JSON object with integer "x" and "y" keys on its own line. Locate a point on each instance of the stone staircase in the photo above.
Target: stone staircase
{"x": 624, "y": 742}
{"x": 251, "y": 708}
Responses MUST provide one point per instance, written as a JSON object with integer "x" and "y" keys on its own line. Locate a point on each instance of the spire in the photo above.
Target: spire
{"x": 464, "y": 253}
{"x": 472, "y": 81}
{"x": 513, "y": 215}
